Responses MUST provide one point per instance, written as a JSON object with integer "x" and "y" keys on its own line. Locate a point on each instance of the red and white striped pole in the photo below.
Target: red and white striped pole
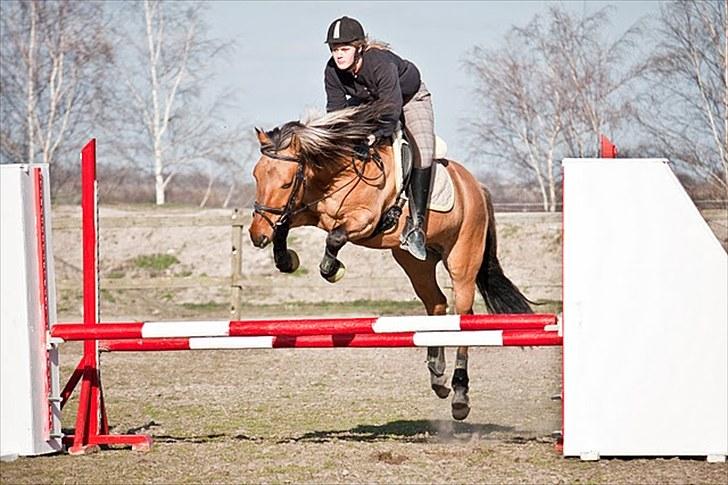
{"x": 304, "y": 326}
{"x": 478, "y": 338}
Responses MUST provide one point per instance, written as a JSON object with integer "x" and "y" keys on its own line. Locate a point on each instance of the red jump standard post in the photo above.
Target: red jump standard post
{"x": 92, "y": 427}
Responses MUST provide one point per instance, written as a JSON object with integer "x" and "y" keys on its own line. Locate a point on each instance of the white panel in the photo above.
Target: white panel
{"x": 645, "y": 315}
{"x": 420, "y": 323}
{"x": 199, "y": 343}
{"x": 186, "y": 329}
{"x": 478, "y": 338}
{"x": 24, "y": 420}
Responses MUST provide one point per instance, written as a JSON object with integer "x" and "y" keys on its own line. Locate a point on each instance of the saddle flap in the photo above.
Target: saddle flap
{"x": 442, "y": 196}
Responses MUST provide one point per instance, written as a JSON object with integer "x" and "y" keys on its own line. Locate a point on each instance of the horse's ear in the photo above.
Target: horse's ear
{"x": 262, "y": 136}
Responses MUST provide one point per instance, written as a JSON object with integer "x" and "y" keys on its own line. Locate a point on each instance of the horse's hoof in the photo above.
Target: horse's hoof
{"x": 439, "y": 385}
{"x": 338, "y": 274}
{"x": 460, "y": 403}
{"x": 288, "y": 263}
{"x": 295, "y": 262}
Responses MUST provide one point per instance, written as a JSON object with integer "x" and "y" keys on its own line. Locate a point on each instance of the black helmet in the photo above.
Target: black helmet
{"x": 344, "y": 30}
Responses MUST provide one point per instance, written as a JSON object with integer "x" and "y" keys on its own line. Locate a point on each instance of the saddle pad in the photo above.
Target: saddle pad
{"x": 442, "y": 195}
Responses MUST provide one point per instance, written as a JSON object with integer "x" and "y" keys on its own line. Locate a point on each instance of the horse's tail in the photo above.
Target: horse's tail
{"x": 499, "y": 293}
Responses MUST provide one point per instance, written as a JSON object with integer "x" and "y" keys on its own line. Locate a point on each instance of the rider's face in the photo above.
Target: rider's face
{"x": 343, "y": 55}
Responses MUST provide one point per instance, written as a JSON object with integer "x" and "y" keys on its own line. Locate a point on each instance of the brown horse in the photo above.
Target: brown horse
{"x": 315, "y": 174}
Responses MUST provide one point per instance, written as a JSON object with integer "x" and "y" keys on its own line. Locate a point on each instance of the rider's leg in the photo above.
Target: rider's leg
{"x": 419, "y": 120}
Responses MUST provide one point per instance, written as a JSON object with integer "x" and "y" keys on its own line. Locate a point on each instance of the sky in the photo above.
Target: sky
{"x": 276, "y": 66}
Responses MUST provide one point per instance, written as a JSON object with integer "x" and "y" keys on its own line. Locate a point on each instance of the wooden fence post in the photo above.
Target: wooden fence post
{"x": 236, "y": 265}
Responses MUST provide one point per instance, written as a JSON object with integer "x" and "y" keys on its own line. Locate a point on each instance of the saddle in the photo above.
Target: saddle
{"x": 442, "y": 193}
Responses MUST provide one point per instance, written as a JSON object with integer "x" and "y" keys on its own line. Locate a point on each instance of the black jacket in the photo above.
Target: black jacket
{"x": 383, "y": 76}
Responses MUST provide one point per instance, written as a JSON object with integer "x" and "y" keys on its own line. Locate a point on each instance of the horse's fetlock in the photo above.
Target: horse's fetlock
{"x": 460, "y": 378}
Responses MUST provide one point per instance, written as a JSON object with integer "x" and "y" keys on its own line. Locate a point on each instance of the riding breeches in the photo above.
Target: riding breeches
{"x": 420, "y": 121}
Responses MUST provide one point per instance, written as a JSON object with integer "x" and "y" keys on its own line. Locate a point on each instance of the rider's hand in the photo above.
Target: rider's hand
{"x": 362, "y": 150}
{"x": 371, "y": 139}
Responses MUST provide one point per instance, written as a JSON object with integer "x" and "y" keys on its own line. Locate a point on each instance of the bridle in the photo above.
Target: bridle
{"x": 289, "y": 210}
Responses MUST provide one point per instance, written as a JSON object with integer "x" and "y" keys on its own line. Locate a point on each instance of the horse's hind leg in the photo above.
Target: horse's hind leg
{"x": 463, "y": 269}
{"x": 460, "y": 385}
{"x": 424, "y": 282}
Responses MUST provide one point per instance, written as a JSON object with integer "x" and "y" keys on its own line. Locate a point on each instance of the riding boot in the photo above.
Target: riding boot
{"x": 413, "y": 239}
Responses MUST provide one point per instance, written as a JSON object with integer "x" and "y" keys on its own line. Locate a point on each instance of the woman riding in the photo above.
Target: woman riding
{"x": 359, "y": 72}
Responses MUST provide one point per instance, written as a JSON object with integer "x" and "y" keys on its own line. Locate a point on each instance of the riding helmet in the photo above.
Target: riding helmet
{"x": 344, "y": 30}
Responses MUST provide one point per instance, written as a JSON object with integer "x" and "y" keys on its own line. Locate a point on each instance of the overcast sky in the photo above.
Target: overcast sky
{"x": 276, "y": 68}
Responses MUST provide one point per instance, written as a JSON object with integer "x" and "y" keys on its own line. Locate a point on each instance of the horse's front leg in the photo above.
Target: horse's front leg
{"x": 332, "y": 270}
{"x": 286, "y": 260}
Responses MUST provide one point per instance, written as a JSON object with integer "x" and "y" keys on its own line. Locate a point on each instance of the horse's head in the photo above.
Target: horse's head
{"x": 318, "y": 149}
{"x": 279, "y": 183}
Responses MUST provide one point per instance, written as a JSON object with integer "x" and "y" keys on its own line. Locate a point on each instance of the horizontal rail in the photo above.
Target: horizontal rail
{"x": 478, "y": 338}
{"x": 302, "y": 326}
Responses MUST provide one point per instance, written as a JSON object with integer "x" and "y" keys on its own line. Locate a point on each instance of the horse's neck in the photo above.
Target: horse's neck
{"x": 361, "y": 183}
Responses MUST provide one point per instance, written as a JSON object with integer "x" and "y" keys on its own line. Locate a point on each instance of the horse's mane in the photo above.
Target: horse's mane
{"x": 329, "y": 140}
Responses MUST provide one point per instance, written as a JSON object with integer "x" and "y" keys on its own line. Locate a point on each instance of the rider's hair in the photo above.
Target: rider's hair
{"x": 377, "y": 44}
{"x": 368, "y": 43}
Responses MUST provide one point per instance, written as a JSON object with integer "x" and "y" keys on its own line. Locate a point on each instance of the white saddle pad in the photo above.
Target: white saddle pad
{"x": 442, "y": 195}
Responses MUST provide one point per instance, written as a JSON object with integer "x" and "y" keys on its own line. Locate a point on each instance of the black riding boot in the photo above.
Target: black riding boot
{"x": 413, "y": 237}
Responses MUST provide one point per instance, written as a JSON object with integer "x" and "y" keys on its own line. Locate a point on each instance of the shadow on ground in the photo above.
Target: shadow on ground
{"x": 407, "y": 430}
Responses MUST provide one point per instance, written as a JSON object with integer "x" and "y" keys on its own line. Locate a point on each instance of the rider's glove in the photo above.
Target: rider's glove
{"x": 362, "y": 151}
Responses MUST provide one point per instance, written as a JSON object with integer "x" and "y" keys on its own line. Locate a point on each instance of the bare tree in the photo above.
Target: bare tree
{"x": 164, "y": 114}
{"x": 684, "y": 108}
{"x": 54, "y": 56}
{"x": 548, "y": 93}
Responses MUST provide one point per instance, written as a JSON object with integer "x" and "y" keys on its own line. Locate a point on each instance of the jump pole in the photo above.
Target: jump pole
{"x": 305, "y": 326}
{"x": 478, "y": 338}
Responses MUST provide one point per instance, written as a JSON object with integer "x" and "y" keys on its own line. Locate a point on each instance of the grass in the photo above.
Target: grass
{"x": 157, "y": 262}
{"x": 210, "y": 306}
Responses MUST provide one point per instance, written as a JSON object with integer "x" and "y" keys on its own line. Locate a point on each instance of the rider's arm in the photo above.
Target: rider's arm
{"x": 390, "y": 94}
{"x": 335, "y": 94}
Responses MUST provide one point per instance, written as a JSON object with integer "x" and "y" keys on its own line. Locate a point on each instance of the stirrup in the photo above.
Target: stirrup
{"x": 418, "y": 251}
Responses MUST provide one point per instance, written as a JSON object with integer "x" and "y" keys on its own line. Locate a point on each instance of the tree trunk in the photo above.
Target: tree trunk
{"x": 31, "y": 99}
{"x": 229, "y": 196}
{"x": 208, "y": 191}
{"x": 159, "y": 184}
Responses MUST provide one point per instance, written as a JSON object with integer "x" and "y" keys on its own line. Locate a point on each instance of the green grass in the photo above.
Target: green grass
{"x": 210, "y": 306}
{"x": 157, "y": 262}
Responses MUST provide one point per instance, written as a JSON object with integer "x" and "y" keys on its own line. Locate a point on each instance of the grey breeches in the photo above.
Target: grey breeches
{"x": 420, "y": 121}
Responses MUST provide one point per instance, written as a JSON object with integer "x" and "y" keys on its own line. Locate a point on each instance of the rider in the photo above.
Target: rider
{"x": 361, "y": 71}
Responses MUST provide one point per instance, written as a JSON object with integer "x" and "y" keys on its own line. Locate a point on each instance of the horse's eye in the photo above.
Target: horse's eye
{"x": 287, "y": 186}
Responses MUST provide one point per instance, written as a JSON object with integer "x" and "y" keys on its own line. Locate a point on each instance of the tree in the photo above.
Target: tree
{"x": 548, "y": 93}
{"x": 684, "y": 107}
{"x": 54, "y": 56}
{"x": 164, "y": 113}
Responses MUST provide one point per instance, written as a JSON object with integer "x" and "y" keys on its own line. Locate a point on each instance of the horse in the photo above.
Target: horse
{"x": 316, "y": 173}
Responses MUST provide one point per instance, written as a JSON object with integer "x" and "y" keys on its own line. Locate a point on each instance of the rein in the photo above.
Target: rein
{"x": 288, "y": 210}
